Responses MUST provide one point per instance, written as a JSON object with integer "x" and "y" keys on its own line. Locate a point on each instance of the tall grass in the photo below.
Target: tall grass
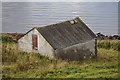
{"x": 109, "y": 44}
{"x": 17, "y": 63}
{"x": 20, "y": 64}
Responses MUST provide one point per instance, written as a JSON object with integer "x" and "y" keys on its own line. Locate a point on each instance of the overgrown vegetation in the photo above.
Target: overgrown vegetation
{"x": 22, "y": 64}
{"x": 6, "y": 39}
{"x": 109, "y": 44}
{"x": 17, "y": 64}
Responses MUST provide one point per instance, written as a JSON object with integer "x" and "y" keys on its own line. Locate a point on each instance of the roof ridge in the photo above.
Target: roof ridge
{"x": 52, "y": 25}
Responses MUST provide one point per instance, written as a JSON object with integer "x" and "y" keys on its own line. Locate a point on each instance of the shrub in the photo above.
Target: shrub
{"x": 6, "y": 39}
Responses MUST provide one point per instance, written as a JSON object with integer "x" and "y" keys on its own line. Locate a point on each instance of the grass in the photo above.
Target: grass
{"x": 22, "y": 64}
{"x": 100, "y": 67}
{"x": 17, "y": 64}
{"x": 7, "y": 39}
{"x": 88, "y": 71}
{"x": 109, "y": 44}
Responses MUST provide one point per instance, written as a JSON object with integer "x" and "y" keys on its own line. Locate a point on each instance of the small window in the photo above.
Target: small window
{"x": 34, "y": 42}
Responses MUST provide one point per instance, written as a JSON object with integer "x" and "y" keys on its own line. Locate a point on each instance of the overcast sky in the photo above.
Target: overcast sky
{"x": 60, "y": 0}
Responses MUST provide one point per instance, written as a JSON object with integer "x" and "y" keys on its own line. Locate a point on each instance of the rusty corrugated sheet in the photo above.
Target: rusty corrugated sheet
{"x": 34, "y": 42}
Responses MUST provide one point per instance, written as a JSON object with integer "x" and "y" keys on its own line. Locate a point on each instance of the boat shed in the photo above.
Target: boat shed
{"x": 69, "y": 40}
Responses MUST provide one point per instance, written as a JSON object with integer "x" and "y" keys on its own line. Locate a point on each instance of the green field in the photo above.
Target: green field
{"x": 17, "y": 64}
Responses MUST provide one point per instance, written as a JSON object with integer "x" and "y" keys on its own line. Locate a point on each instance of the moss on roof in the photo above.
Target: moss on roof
{"x": 65, "y": 34}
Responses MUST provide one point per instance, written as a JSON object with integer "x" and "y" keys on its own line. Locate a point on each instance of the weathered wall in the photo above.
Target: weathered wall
{"x": 44, "y": 48}
{"x": 75, "y": 52}
{"x": 78, "y": 51}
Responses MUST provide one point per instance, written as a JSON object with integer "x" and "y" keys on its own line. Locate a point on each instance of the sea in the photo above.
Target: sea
{"x": 20, "y": 17}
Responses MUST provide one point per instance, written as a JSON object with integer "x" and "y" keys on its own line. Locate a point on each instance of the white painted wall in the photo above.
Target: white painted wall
{"x": 44, "y": 48}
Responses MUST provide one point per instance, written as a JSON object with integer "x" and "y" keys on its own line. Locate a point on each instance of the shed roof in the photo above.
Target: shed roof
{"x": 67, "y": 33}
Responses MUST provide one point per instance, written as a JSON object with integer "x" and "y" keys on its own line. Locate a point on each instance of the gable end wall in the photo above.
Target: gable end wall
{"x": 44, "y": 48}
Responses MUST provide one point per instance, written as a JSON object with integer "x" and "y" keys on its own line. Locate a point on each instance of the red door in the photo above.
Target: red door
{"x": 34, "y": 42}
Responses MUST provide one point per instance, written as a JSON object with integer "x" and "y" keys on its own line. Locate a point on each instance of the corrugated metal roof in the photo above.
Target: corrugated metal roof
{"x": 67, "y": 33}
